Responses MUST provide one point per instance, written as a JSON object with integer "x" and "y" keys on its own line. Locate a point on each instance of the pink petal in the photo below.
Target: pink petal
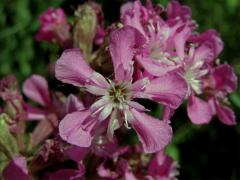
{"x": 36, "y": 88}
{"x": 199, "y": 111}
{"x": 44, "y": 129}
{"x": 105, "y": 172}
{"x": 72, "y": 69}
{"x": 169, "y": 89}
{"x": 211, "y": 38}
{"x": 225, "y": 114}
{"x": 153, "y": 134}
{"x": 73, "y": 104}
{"x": 154, "y": 67}
{"x": 125, "y": 8}
{"x": 225, "y": 79}
{"x": 75, "y": 128}
{"x": 16, "y": 169}
{"x": 122, "y": 47}
{"x": 176, "y": 10}
{"x": 203, "y": 53}
{"x": 35, "y": 113}
{"x": 167, "y": 113}
{"x": 128, "y": 175}
{"x": 180, "y": 40}
{"x": 76, "y": 153}
{"x": 131, "y": 15}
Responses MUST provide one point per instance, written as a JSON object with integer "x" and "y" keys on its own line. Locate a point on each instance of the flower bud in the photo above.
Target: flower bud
{"x": 84, "y": 29}
{"x": 8, "y": 144}
{"x": 54, "y": 28}
{"x": 13, "y": 101}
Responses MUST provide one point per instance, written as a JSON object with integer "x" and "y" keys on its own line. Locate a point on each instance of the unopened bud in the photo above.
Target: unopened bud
{"x": 84, "y": 29}
{"x": 8, "y": 144}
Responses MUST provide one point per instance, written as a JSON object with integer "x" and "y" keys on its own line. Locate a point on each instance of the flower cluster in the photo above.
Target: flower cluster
{"x": 151, "y": 54}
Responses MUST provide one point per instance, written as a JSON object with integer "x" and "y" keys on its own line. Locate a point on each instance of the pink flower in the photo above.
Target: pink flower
{"x": 54, "y": 28}
{"x": 165, "y": 41}
{"x": 16, "y": 169}
{"x": 212, "y": 83}
{"x": 51, "y": 110}
{"x": 225, "y": 81}
{"x": 115, "y": 102}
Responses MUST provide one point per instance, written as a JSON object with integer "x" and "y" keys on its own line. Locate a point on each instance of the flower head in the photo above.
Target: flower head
{"x": 116, "y": 97}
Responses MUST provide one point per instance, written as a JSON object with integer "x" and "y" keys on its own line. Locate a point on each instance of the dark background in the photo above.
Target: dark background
{"x": 210, "y": 152}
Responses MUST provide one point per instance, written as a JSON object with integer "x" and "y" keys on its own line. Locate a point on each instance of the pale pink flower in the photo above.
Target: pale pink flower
{"x": 116, "y": 103}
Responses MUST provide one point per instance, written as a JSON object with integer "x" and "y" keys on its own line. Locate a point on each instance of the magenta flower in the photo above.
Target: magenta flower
{"x": 116, "y": 103}
{"x": 54, "y": 28}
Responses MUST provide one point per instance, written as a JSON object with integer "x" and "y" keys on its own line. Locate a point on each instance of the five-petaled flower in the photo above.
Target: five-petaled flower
{"x": 115, "y": 102}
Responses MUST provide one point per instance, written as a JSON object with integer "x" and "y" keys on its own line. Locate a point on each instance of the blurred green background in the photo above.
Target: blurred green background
{"x": 210, "y": 152}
